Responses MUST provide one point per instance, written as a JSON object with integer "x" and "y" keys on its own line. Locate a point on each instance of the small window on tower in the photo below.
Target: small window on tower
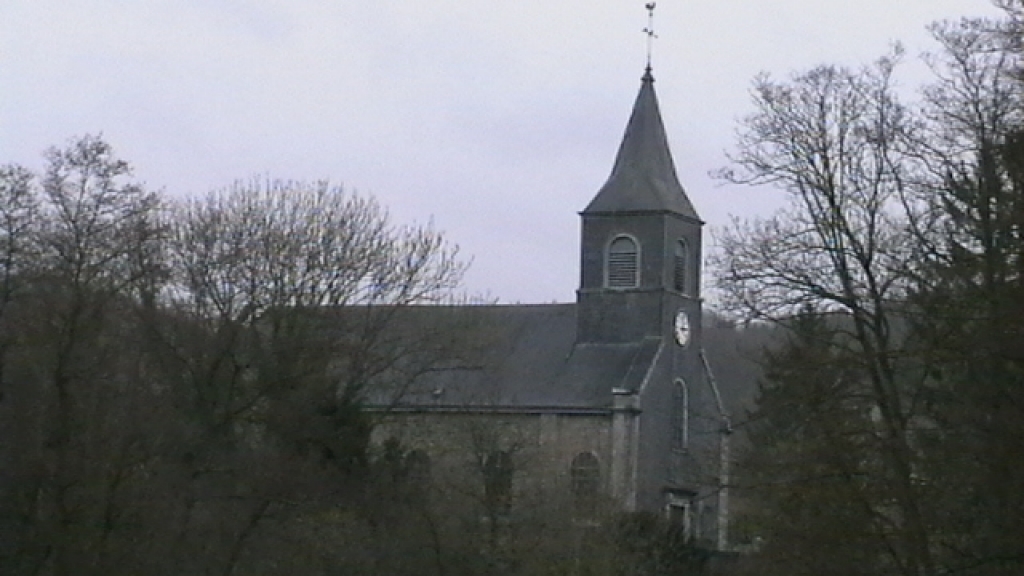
{"x": 623, "y": 264}
{"x": 681, "y": 264}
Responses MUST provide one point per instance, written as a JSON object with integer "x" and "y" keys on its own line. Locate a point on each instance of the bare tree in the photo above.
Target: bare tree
{"x": 317, "y": 270}
{"x": 893, "y": 409}
{"x": 834, "y": 140}
{"x": 183, "y": 383}
{"x": 969, "y": 290}
{"x": 287, "y": 304}
{"x": 19, "y": 220}
{"x": 70, "y": 247}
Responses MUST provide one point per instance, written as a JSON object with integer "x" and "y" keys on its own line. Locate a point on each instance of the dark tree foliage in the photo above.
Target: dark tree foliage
{"x": 647, "y": 545}
{"x": 813, "y": 459}
{"x": 971, "y": 326}
{"x": 888, "y": 432}
{"x": 181, "y": 385}
{"x": 969, "y": 299}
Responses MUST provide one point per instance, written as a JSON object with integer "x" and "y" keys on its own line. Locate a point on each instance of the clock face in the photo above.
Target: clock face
{"x": 682, "y": 328}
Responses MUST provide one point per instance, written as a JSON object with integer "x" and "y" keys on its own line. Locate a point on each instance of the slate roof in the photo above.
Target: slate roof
{"x": 527, "y": 359}
{"x": 644, "y": 177}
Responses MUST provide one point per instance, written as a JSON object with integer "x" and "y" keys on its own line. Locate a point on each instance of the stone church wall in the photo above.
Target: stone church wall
{"x": 541, "y": 449}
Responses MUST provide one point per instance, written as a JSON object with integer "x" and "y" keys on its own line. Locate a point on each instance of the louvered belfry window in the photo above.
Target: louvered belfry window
{"x": 679, "y": 270}
{"x": 623, "y": 263}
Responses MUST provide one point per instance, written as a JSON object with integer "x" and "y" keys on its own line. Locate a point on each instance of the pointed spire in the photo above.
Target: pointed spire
{"x": 644, "y": 177}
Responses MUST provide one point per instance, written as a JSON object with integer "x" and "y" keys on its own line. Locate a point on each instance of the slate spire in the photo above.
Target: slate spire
{"x": 644, "y": 177}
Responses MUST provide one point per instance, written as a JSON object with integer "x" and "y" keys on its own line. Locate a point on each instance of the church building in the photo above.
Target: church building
{"x": 610, "y": 397}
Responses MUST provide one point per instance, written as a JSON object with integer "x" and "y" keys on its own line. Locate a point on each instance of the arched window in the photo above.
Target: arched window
{"x": 417, "y": 465}
{"x": 497, "y": 473}
{"x": 586, "y": 476}
{"x": 680, "y": 267}
{"x": 623, "y": 263}
{"x": 680, "y": 416}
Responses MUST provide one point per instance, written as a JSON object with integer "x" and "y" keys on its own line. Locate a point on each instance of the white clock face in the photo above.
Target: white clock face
{"x": 682, "y": 328}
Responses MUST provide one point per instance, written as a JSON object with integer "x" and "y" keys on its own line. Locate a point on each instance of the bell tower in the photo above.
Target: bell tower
{"x": 641, "y": 242}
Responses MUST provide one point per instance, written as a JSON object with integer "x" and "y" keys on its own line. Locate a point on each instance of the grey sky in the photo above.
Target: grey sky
{"x": 498, "y": 120}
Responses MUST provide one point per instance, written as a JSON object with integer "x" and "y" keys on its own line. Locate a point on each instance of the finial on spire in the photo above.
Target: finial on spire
{"x": 650, "y": 33}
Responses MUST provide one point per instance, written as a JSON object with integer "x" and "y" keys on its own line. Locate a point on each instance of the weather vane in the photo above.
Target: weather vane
{"x": 650, "y": 31}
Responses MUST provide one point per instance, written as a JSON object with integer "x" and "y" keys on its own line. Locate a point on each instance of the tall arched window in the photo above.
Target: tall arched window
{"x": 680, "y": 267}
{"x": 586, "y": 476}
{"x": 623, "y": 263}
{"x": 681, "y": 416}
{"x": 497, "y": 472}
{"x": 417, "y": 465}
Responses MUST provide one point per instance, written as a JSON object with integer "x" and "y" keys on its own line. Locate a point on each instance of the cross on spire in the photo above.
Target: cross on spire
{"x": 649, "y": 31}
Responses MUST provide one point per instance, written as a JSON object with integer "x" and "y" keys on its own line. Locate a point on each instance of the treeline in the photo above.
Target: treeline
{"x": 171, "y": 399}
{"x": 889, "y": 434}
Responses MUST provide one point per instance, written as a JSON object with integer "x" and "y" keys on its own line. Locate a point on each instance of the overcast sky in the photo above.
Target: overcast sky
{"x": 497, "y": 119}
